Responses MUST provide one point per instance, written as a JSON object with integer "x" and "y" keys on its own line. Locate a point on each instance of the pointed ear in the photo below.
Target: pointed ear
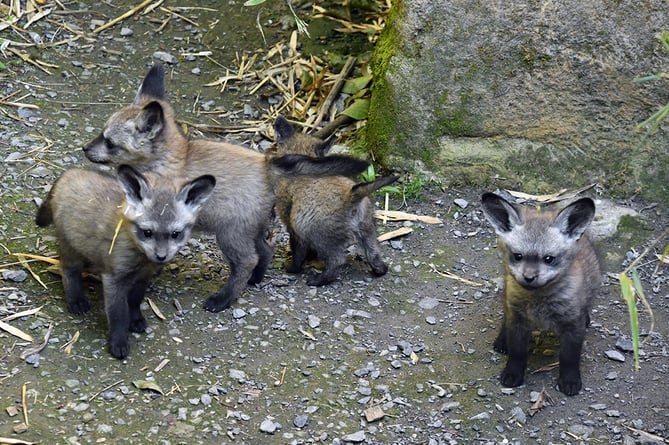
{"x": 574, "y": 219}
{"x": 134, "y": 184}
{"x": 283, "y": 130}
{"x": 196, "y": 192}
{"x": 151, "y": 120}
{"x": 324, "y": 147}
{"x": 500, "y": 213}
{"x": 153, "y": 84}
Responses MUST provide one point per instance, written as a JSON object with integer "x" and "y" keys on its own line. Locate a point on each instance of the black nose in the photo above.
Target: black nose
{"x": 529, "y": 279}
{"x": 161, "y": 258}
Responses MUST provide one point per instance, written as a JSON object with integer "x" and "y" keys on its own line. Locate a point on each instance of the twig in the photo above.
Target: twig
{"x": 24, "y": 389}
{"x": 336, "y": 89}
{"x": 122, "y": 17}
{"x": 91, "y": 398}
{"x": 647, "y": 434}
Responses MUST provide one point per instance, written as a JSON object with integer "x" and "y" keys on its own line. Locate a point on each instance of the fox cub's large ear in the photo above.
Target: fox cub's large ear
{"x": 153, "y": 84}
{"x": 500, "y": 213}
{"x": 196, "y": 192}
{"x": 574, "y": 219}
{"x": 151, "y": 120}
{"x": 283, "y": 130}
{"x": 134, "y": 184}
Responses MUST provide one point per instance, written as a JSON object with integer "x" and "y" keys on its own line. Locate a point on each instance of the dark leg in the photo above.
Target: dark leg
{"x": 135, "y": 298}
{"x": 334, "y": 261}
{"x": 571, "y": 344}
{"x": 299, "y": 252}
{"x": 518, "y": 338}
{"x": 500, "y": 342}
{"x": 372, "y": 250}
{"x": 116, "y": 290}
{"x": 264, "y": 251}
{"x": 72, "y": 268}
{"x": 241, "y": 254}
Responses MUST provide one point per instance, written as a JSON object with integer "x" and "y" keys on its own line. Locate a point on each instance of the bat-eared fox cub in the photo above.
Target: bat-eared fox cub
{"x": 325, "y": 215}
{"x": 155, "y": 217}
{"x": 551, "y": 273}
{"x": 146, "y": 135}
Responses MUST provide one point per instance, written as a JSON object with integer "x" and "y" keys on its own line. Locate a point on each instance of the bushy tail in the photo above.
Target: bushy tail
{"x": 364, "y": 189}
{"x": 292, "y": 164}
{"x": 44, "y": 214}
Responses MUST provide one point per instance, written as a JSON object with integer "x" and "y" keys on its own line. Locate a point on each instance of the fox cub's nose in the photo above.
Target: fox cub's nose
{"x": 529, "y": 279}
{"x": 160, "y": 257}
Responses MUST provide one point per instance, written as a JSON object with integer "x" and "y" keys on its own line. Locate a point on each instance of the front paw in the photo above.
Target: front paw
{"x": 500, "y": 344}
{"x": 294, "y": 267}
{"x": 318, "y": 279}
{"x": 138, "y": 324}
{"x": 119, "y": 347}
{"x": 511, "y": 377}
{"x": 569, "y": 386}
{"x": 218, "y": 302}
{"x": 78, "y": 306}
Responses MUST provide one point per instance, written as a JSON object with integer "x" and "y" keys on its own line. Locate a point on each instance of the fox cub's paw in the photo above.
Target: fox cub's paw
{"x": 569, "y": 387}
{"x": 500, "y": 344}
{"x": 78, "y": 306}
{"x": 511, "y": 378}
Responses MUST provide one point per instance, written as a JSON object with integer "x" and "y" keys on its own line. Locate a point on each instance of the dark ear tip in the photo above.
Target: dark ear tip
{"x": 280, "y": 120}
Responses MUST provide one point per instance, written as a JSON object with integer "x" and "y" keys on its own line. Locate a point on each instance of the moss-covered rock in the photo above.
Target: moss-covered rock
{"x": 540, "y": 95}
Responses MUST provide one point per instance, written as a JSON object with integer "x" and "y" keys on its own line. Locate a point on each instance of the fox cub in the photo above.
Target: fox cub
{"x": 327, "y": 214}
{"x": 551, "y": 273}
{"x": 146, "y": 135}
{"x": 155, "y": 218}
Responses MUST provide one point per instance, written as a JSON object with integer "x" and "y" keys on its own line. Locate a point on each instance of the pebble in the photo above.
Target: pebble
{"x": 16, "y": 276}
{"x": 268, "y": 426}
{"x": 313, "y": 321}
{"x": 357, "y": 437}
{"x": 428, "y": 303}
{"x": 430, "y": 320}
{"x": 614, "y": 355}
{"x": 238, "y": 313}
{"x": 625, "y": 345}
{"x": 301, "y": 421}
{"x": 165, "y": 57}
{"x": 481, "y": 416}
{"x": 598, "y": 406}
{"x": 237, "y": 374}
{"x": 612, "y": 375}
{"x": 518, "y": 415}
{"x": 462, "y": 203}
{"x": 126, "y": 32}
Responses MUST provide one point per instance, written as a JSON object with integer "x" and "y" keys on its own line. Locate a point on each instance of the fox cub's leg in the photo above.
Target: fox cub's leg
{"x": 72, "y": 268}
{"x": 500, "y": 342}
{"x": 135, "y": 298}
{"x": 518, "y": 337}
{"x": 116, "y": 290}
{"x": 298, "y": 250}
{"x": 372, "y": 250}
{"x": 571, "y": 344}
{"x": 265, "y": 252}
{"x": 334, "y": 260}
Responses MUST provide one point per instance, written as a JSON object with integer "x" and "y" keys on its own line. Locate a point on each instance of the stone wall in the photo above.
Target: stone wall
{"x": 539, "y": 92}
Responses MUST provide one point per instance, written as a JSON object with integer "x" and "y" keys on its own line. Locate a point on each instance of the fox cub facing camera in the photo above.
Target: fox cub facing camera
{"x": 551, "y": 273}
{"x": 125, "y": 230}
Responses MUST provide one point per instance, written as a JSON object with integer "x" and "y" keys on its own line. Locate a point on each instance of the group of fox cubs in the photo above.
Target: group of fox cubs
{"x": 128, "y": 226}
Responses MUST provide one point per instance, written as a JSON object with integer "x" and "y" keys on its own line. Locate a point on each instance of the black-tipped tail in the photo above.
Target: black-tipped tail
{"x": 364, "y": 189}
{"x": 329, "y": 166}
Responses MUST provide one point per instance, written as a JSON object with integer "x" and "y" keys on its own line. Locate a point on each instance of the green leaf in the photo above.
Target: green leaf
{"x": 627, "y": 287}
{"x": 147, "y": 384}
{"x": 253, "y": 2}
{"x": 352, "y": 86}
{"x": 358, "y": 110}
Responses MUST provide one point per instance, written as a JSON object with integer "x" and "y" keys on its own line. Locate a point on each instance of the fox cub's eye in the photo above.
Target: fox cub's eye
{"x": 176, "y": 234}
{"x": 148, "y": 233}
{"x": 549, "y": 259}
{"x": 517, "y": 256}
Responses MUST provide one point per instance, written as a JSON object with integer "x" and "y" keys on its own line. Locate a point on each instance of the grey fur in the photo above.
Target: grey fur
{"x": 157, "y": 216}
{"x": 551, "y": 274}
{"x": 325, "y": 215}
{"x": 146, "y": 135}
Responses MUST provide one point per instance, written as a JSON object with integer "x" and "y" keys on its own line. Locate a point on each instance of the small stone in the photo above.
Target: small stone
{"x": 612, "y": 413}
{"x": 357, "y": 437}
{"x": 625, "y": 345}
{"x": 614, "y": 355}
{"x": 301, "y": 421}
{"x": 462, "y": 203}
{"x": 268, "y": 426}
{"x": 349, "y": 330}
{"x": 16, "y": 276}
{"x": 428, "y": 303}
{"x": 396, "y": 364}
{"x": 20, "y": 428}
{"x": 374, "y": 413}
{"x": 165, "y": 57}
{"x": 238, "y": 313}
{"x": 518, "y": 415}
{"x": 63, "y": 123}
{"x": 238, "y": 375}
{"x": 431, "y": 320}
{"x": 126, "y": 32}
{"x": 582, "y": 431}
{"x": 313, "y": 321}
{"x": 598, "y": 406}
{"x": 481, "y": 416}
{"x": 196, "y": 71}
{"x": 612, "y": 375}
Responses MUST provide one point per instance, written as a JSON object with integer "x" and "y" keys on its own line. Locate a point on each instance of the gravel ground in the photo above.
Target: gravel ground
{"x": 402, "y": 359}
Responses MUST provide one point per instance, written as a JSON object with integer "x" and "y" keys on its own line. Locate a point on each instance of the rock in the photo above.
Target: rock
{"x": 16, "y": 276}
{"x": 462, "y": 203}
{"x": 268, "y": 426}
{"x": 238, "y": 313}
{"x": 313, "y": 321}
{"x": 301, "y": 421}
{"x": 428, "y": 303}
{"x": 518, "y": 415}
{"x": 614, "y": 355}
{"x": 481, "y": 416}
{"x": 238, "y": 375}
{"x": 531, "y": 86}
{"x": 598, "y": 406}
{"x": 165, "y": 57}
{"x": 625, "y": 345}
{"x": 126, "y": 32}
{"x": 357, "y": 437}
